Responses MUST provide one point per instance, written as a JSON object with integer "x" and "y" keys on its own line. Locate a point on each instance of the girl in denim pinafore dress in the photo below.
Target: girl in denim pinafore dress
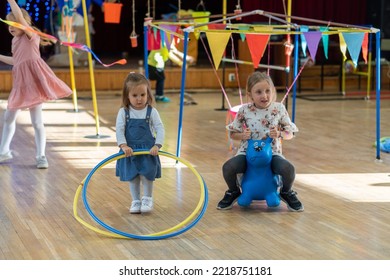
{"x": 139, "y": 128}
{"x": 139, "y": 138}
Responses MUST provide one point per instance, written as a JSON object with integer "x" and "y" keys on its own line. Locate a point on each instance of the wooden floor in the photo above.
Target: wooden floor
{"x": 345, "y": 190}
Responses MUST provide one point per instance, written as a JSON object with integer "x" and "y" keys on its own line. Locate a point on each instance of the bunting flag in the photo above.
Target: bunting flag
{"x": 217, "y": 43}
{"x": 245, "y": 28}
{"x": 354, "y": 42}
{"x": 68, "y": 44}
{"x": 365, "y": 47}
{"x": 163, "y": 42}
{"x": 303, "y": 39}
{"x": 263, "y": 29}
{"x": 154, "y": 39}
{"x": 313, "y": 39}
{"x": 177, "y": 39}
{"x": 217, "y": 26}
{"x": 343, "y": 46}
{"x": 196, "y": 34}
{"x": 257, "y": 44}
{"x": 325, "y": 40}
{"x": 168, "y": 35}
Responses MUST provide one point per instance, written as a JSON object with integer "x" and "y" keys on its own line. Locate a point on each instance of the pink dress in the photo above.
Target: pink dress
{"x": 33, "y": 80}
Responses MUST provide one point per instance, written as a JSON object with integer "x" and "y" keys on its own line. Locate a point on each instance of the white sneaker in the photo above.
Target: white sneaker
{"x": 5, "y": 157}
{"x": 135, "y": 207}
{"x": 147, "y": 204}
{"x": 42, "y": 163}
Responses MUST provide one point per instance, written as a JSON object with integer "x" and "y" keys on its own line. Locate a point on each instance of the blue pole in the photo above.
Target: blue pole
{"x": 296, "y": 60}
{"x": 183, "y": 82}
{"x": 378, "y": 93}
{"x": 146, "y": 51}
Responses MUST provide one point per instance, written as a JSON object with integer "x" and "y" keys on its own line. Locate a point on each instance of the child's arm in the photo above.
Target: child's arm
{"x": 286, "y": 128}
{"x": 237, "y": 135}
{"x": 7, "y": 59}
{"x": 158, "y": 128}
{"x": 19, "y": 16}
{"x": 238, "y": 129}
{"x": 120, "y": 133}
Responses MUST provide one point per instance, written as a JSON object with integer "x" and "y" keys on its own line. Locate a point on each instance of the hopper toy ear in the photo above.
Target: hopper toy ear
{"x": 259, "y": 182}
{"x": 385, "y": 145}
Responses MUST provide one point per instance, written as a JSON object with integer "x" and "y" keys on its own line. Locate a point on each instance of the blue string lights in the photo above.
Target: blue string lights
{"x": 39, "y": 10}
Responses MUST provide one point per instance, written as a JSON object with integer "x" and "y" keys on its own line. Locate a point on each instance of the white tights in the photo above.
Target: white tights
{"x": 10, "y": 126}
{"x": 135, "y": 186}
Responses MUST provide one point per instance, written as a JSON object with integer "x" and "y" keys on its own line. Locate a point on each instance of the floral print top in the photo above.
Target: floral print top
{"x": 259, "y": 121}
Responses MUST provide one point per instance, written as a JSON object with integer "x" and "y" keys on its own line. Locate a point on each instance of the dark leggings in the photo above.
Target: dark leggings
{"x": 237, "y": 165}
{"x": 157, "y": 75}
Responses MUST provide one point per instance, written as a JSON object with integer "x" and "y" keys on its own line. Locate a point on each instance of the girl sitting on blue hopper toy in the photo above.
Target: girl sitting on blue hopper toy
{"x": 256, "y": 120}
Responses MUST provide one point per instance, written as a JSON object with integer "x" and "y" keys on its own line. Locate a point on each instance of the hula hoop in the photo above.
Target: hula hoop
{"x": 180, "y": 228}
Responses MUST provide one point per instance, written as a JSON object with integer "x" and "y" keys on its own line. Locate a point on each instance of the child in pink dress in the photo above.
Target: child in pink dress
{"x": 33, "y": 83}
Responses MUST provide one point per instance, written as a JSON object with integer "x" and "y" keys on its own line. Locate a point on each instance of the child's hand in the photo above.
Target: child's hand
{"x": 127, "y": 150}
{"x": 246, "y": 134}
{"x": 154, "y": 150}
{"x": 274, "y": 132}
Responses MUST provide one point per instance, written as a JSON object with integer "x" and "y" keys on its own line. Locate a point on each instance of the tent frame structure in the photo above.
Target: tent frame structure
{"x": 287, "y": 29}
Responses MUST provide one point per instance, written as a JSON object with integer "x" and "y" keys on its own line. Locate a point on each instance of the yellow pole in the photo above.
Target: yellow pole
{"x": 72, "y": 79}
{"x": 289, "y": 5}
{"x": 91, "y": 73}
{"x": 224, "y": 10}
{"x": 343, "y": 78}
{"x": 369, "y": 75}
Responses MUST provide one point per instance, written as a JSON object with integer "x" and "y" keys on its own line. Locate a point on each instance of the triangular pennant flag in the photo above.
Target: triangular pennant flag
{"x": 196, "y": 34}
{"x": 163, "y": 39}
{"x": 365, "y": 47}
{"x": 217, "y": 26}
{"x": 217, "y": 43}
{"x": 264, "y": 29}
{"x": 242, "y": 35}
{"x": 325, "y": 40}
{"x": 343, "y": 46}
{"x": 303, "y": 39}
{"x": 155, "y": 30}
{"x": 177, "y": 39}
{"x": 313, "y": 38}
{"x": 354, "y": 44}
{"x": 168, "y": 34}
{"x": 154, "y": 42}
{"x": 257, "y": 44}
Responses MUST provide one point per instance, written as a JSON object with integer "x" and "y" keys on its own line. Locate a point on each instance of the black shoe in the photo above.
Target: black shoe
{"x": 292, "y": 201}
{"x": 228, "y": 200}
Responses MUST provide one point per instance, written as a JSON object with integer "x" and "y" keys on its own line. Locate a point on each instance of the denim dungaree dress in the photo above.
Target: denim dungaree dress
{"x": 139, "y": 137}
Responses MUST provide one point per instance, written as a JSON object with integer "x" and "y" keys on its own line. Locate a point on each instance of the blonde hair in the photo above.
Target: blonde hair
{"x": 257, "y": 77}
{"x": 132, "y": 80}
{"x": 27, "y": 18}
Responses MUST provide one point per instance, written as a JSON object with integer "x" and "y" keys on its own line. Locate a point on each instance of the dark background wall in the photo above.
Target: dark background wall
{"x": 113, "y": 39}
